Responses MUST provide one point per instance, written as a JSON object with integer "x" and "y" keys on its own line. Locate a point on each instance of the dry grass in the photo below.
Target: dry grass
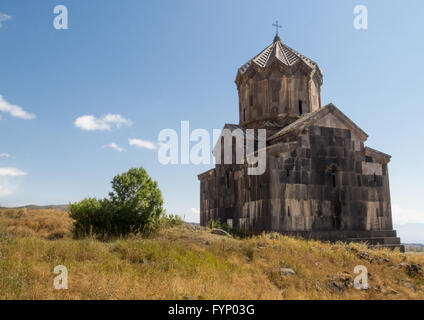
{"x": 47, "y": 224}
{"x": 183, "y": 262}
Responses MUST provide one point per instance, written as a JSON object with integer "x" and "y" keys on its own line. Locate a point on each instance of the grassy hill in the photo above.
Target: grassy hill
{"x": 61, "y": 207}
{"x": 190, "y": 262}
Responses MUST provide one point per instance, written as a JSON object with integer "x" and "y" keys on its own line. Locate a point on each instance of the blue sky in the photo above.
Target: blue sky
{"x": 156, "y": 63}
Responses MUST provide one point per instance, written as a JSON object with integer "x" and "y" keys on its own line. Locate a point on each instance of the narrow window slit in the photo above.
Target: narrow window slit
{"x": 228, "y": 179}
{"x": 333, "y": 175}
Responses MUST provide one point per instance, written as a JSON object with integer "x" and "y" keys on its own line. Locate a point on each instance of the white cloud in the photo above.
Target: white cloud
{"x": 404, "y": 216}
{"x": 6, "y": 189}
{"x": 11, "y": 172}
{"x": 14, "y": 110}
{"x": 192, "y": 215}
{"x": 91, "y": 123}
{"x": 5, "y": 155}
{"x": 6, "y": 175}
{"x": 4, "y": 17}
{"x": 142, "y": 144}
{"x": 114, "y": 146}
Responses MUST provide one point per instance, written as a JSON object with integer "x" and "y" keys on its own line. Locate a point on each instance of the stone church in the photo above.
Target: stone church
{"x": 320, "y": 182}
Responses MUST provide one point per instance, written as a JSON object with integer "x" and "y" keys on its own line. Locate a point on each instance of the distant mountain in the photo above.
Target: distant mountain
{"x": 415, "y": 247}
{"x": 63, "y": 207}
{"x": 411, "y": 233}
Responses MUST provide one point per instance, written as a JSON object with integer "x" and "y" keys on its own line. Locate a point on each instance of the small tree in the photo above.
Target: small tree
{"x": 137, "y": 201}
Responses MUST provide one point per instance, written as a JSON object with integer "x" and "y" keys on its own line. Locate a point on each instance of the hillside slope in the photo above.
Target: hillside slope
{"x": 192, "y": 263}
{"x": 61, "y": 207}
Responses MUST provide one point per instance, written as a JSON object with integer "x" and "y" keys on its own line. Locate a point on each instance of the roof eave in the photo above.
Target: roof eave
{"x": 378, "y": 155}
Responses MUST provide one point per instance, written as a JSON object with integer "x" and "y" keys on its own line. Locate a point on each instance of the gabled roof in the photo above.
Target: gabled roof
{"x": 310, "y": 118}
{"x": 281, "y": 52}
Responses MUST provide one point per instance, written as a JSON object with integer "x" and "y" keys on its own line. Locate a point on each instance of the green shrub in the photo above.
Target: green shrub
{"x": 91, "y": 216}
{"x": 135, "y": 206}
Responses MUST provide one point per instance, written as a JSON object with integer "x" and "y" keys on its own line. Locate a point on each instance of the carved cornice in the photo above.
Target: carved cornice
{"x": 277, "y": 65}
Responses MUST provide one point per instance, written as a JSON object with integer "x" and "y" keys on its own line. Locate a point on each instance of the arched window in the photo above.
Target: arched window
{"x": 300, "y": 107}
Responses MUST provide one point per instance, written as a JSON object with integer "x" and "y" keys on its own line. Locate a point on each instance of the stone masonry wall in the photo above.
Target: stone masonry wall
{"x": 325, "y": 184}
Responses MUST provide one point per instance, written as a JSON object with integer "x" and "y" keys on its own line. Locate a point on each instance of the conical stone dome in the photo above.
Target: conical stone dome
{"x": 278, "y": 84}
